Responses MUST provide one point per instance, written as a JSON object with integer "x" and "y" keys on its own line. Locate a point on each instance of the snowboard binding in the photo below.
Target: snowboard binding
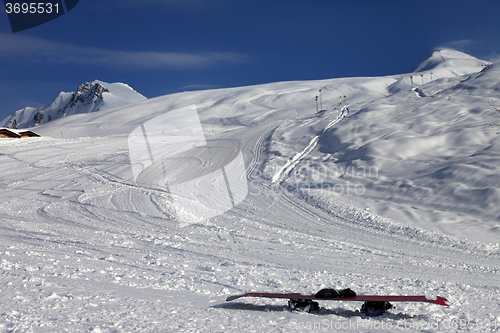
{"x": 334, "y": 293}
{"x": 303, "y": 305}
{"x": 374, "y": 309}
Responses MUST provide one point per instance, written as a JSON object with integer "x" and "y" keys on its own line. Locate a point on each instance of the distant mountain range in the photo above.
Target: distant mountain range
{"x": 98, "y": 96}
{"x": 89, "y": 97}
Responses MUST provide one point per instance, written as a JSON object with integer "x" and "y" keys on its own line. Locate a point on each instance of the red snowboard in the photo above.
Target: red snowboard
{"x": 362, "y": 298}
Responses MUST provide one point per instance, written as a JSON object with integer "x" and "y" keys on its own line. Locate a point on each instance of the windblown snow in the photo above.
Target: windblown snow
{"x": 394, "y": 194}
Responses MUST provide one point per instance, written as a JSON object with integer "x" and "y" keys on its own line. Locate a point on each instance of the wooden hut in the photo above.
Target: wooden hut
{"x": 8, "y": 133}
{"x": 16, "y": 134}
{"x": 28, "y": 134}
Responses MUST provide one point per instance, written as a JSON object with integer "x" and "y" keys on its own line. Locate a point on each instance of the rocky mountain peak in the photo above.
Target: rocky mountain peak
{"x": 88, "y": 97}
{"x": 89, "y": 92}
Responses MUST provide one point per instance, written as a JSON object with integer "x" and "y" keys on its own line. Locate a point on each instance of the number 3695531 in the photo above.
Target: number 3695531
{"x": 32, "y": 8}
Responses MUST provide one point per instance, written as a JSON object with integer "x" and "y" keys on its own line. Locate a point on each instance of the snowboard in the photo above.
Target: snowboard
{"x": 361, "y": 298}
{"x": 374, "y": 305}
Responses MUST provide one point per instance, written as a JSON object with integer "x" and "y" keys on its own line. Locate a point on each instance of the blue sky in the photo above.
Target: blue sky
{"x": 165, "y": 46}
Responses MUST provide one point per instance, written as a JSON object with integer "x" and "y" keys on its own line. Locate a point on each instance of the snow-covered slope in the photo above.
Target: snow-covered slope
{"x": 428, "y": 161}
{"x": 89, "y": 97}
{"x": 377, "y": 196}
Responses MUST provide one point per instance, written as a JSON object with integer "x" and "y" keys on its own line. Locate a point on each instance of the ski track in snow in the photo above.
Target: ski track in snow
{"x": 290, "y": 165}
{"x": 83, "y": 249}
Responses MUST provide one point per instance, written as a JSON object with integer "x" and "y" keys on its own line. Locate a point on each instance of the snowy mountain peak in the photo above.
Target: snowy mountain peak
{"x": 88, "y": 97}
{"x": 449, "y": 60}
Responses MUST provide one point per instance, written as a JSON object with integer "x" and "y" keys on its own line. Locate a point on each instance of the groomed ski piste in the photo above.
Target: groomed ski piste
{"x": 398, "y": 196}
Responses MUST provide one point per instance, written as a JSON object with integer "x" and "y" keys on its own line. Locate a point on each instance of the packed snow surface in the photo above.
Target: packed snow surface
{"x": 395, "y": 194}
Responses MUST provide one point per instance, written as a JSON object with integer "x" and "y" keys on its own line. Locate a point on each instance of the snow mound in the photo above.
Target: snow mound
{"x": 444, "y": 62}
